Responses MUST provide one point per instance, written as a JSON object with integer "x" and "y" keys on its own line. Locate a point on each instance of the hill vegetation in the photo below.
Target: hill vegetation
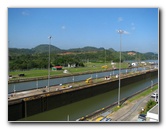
{"x": 22, "y": 59}
{"x": 86, "y": 49}
{"x": 44, "y": 49}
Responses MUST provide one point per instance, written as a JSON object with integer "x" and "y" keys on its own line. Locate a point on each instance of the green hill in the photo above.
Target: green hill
{"x": 44, "y": 48}
{"x": 21, "y": 51}
{"x": 85, "y": 49}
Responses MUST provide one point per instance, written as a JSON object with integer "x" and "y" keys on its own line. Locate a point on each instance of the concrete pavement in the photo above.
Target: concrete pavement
{"x": 130, "y": 110}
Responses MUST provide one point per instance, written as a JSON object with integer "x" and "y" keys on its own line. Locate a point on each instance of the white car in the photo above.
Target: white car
{"x": 154, "y": 95}
{"x": 70, "y": 86}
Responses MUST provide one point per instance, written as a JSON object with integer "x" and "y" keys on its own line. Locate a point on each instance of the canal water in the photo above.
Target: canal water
{"x": 84, "y": 107}
{"x": 56, "y": 81}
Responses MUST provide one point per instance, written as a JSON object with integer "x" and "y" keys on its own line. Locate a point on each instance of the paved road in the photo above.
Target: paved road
{"x": 23, "y": 94}
{"x": 130, "y": 111}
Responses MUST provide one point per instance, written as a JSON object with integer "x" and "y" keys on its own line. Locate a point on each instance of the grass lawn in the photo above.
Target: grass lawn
{"x": 89, "y": 67}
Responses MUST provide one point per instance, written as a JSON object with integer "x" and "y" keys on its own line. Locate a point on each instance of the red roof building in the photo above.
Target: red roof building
{"x": 57, "y": 68}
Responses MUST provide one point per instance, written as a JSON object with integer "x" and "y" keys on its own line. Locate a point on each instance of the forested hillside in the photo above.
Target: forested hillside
{"x": 22, "y": 59}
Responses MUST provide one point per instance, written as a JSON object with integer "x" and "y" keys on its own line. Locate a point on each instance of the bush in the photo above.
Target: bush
{"x": 149, "y": 105}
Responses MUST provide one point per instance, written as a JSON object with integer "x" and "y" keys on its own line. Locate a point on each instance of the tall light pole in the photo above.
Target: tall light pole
{"x": 73, "y": 79}
{"x": 120, "y": 32}
{"x": 151, "y": 84}
{"x": 50, "y": 37}
{"x": 105, "y": 56}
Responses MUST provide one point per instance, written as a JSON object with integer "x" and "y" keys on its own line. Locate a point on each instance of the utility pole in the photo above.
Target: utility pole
{"x": 50, "y": 37}
{"x": 120, "y": 32}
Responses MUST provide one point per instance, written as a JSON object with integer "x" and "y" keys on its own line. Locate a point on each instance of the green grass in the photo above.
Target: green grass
{"x": 89, "y": 67}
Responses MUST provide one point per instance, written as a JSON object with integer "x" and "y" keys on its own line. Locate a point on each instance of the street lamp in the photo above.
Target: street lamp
{"x": 151, "y": 84}
{"x": 120, "y": 32}
{"x": 50, "y": 37}
{"x": 37, "y": 84}
{"x": 14, "y": 90}
{"x": 73, "y": 79}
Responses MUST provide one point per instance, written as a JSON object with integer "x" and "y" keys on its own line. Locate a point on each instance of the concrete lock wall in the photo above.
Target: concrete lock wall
{"x": 16, "y": 111}
{"x": 24, "y": 108}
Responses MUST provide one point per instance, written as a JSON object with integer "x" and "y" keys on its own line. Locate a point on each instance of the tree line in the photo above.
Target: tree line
{"x": 40, "y": 60}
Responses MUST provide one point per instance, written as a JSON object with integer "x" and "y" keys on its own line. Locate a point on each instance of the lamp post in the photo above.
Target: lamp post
{"x": 73, "y": 79}
{"x": 37, "y": 85}
{"x": 105, "y": 56}
{"x": 14, "y": 90}
{"x": 120, "y": 32}
{"x": 151, "y": 84}
{"x": 50, "y": 37}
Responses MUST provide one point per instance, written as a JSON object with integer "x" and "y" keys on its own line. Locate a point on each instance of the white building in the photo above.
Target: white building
{"x": 152, "y": 114}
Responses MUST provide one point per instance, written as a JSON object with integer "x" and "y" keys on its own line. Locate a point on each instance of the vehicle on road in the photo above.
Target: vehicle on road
{"x": 154, "y": 95}
{"x": 141, "y": 117}
{"x": 106, "y": 119}
{"x": 89, "y": 80}
{"x": 70, "y": 86}
{"x": 99, "y": 119}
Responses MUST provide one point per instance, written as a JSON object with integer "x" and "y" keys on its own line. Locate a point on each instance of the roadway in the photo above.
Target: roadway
{"x": 59, "y": 88}
{"x": 28, "y": 93}
{"x": 129, "y": 112}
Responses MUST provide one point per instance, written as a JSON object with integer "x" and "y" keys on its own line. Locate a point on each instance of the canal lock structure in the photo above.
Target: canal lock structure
{"x": 23, "y": 108}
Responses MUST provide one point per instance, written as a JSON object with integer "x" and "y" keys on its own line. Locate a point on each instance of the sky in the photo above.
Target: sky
{"x": 80, "y": 27}
{"x": 129, "y": 42}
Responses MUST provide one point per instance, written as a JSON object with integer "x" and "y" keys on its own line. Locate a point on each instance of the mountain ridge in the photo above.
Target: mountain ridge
{"x": 44, "y": 48}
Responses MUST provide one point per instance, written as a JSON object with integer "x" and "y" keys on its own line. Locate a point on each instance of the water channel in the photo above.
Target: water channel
{"x": 56, "y": 81}
{"x": 87, "y": 106}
